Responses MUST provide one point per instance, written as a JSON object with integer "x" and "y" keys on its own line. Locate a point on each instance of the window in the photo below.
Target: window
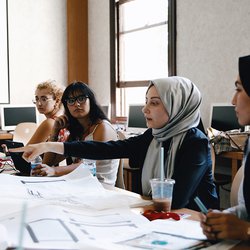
{"x": 142, "y": 45}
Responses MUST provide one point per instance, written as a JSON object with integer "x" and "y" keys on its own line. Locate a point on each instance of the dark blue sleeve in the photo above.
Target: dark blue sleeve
{"x": 129, "y": 148}
{"x": 193, "y": 174}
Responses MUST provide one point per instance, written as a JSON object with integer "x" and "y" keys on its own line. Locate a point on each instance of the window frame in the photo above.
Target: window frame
{"x": 114, "y": 48}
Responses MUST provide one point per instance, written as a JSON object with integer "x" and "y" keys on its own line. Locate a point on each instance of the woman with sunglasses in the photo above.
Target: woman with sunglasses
{"x": 48, "y": 102}
{"x": 83, "y": 120}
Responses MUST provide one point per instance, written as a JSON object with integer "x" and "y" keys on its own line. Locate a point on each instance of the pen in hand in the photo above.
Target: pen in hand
{"x": 199, "y": 203}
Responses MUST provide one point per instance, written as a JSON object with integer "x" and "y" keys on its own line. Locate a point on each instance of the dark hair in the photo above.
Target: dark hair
{"x": 244, "y": 64}
{"x": 95, "y": 114}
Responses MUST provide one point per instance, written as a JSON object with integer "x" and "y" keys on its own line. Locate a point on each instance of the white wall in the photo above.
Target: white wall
{"x": 4, "y": 85}
{"x": 37, "y": 46}
{"x": 99, "y": 49}
{"x": 211, "y": 35}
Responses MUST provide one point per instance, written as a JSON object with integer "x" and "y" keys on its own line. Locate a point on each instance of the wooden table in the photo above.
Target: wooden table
{"x": 6, "y": 136}
{"x": 236, "y": 160}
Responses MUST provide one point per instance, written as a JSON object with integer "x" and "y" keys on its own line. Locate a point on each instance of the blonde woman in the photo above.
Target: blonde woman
{"x": 48, "y": 102}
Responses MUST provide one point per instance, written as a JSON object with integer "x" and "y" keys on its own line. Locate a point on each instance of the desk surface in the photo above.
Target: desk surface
{"x": 194, "y": 215}
{"x": 6, "y": 136}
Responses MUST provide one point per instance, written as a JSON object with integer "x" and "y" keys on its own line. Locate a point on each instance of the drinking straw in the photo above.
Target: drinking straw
{"x": 22, "y": 226}
{"x": 162, "y": 164}
{"x": 162, "y": 170}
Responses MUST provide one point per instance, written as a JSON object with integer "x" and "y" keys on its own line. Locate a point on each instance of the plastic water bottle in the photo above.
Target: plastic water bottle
{"x": 37, "y": 161}
{"x": 90, "y": 165}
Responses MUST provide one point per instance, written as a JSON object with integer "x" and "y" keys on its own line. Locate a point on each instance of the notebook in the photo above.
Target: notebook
{"x": 20, "y": 164}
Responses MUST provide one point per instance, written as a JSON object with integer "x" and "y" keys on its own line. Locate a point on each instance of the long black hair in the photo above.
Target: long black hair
{"x": 95, "y": 114}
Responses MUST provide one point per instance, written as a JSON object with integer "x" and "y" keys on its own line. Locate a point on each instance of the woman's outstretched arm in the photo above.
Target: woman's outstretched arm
{"x": 31, "y": 151}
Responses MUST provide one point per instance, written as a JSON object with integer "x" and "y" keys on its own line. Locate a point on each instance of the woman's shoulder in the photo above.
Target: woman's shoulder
{"x": 42, "y": 132}
{"x": 46, "y": 126}
{"x": 48, "y": 122}
{"x": 104, "y": 125}
{"x": 195, "y": 134}
{"x": 195, "y": 141}
{"x": 104, "y": 129}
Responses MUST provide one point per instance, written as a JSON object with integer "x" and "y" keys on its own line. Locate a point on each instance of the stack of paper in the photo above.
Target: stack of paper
{"x": 76, "y": 212}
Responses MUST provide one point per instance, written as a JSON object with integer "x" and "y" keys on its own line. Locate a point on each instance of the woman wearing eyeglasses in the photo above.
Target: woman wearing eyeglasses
{"x": 172, "y": 113}
{"x": 48, "y": 102}
{"x": 83, "y": 120}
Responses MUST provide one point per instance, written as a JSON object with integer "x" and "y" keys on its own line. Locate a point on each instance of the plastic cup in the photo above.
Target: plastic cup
{"x": 162, "y": 191}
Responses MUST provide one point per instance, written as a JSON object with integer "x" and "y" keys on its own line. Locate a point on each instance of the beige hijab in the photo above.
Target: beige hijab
{"x": 182, "y": 100}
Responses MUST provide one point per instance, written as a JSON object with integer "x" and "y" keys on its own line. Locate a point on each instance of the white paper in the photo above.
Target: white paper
{"x": 62, "y": 228}
{"x": 76, "y": 212}
{"x": 3, "y": 238}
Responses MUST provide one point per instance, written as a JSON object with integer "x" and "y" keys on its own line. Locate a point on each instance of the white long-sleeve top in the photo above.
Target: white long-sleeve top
{"x": 240, "y": 209}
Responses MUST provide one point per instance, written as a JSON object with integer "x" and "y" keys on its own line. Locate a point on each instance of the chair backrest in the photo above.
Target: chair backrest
{"x": 235, "y": 187}
{"x": 120, "y": 179}
{"x": 24, "y": 131}
{"x": 220, "y": 179}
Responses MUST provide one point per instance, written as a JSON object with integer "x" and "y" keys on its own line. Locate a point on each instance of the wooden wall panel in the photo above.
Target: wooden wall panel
{"x": 77, "y": 27}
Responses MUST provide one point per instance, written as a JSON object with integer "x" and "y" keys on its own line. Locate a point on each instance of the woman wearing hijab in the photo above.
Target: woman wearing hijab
{"x": 233, "y": 223}
{"x": 172, "y": 115}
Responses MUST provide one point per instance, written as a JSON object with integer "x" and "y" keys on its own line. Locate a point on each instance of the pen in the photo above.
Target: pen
{"x": 200, "y": 205}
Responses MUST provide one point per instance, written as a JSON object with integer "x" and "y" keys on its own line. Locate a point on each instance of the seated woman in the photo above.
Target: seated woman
{"x": 234, "y": 223}
{"x": 172, "y": 113}
{"x": 83, "y": 120}
{"x": 48, "y": 102}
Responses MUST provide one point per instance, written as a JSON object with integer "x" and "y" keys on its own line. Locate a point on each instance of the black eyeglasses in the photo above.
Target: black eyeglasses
{"x": 80, "y": 99}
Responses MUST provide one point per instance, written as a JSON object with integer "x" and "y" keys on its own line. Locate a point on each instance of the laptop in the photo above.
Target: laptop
{"x": 23, "y": 166}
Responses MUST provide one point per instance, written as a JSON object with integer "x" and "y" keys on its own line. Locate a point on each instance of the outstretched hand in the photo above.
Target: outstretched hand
{"x": 31, "y": 151}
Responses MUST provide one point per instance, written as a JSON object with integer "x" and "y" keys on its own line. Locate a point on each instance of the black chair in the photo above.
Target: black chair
{"x": 220, "y": 180}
